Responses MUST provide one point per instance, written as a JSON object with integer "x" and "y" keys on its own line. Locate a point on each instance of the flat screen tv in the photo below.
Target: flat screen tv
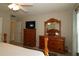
{"x": 30, "y": 24}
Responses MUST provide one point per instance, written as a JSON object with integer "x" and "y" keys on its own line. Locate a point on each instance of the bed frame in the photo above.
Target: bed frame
{"x": 46, "y": 52}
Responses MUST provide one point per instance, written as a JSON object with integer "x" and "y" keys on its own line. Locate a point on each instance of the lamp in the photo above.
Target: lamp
{"x": 13, "y": 7}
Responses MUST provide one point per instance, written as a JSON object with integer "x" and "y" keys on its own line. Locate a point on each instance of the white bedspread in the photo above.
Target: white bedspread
{"x": 12, "y": 50}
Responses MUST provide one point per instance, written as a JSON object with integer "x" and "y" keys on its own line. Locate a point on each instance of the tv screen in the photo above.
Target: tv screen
{"x": 30, "y": 24}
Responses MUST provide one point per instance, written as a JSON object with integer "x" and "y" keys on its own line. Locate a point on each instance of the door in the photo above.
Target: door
{"x": 0, "y": 29}
{"x": 16, "y": 31}
{"x": 13, "y": 30}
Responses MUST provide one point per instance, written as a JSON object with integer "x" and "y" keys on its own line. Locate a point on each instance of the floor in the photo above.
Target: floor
{"x": 50, "y": 53}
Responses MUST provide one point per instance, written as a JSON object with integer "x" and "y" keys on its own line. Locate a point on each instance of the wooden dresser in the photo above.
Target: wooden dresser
{"x": 29, "y": 37}
{"x": 55, "y": 44}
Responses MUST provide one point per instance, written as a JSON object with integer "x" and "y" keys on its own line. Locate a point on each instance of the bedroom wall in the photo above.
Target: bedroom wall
{"x": 66, "y": 25}
{"x": 1, "y": 22}
{"x": 6, "y": 23}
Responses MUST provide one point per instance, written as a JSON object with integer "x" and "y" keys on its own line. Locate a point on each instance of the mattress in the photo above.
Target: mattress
{"x": 12, "y": 50}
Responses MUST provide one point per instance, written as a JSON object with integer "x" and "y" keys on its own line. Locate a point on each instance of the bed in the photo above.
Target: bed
{"x": 12, "y": 50}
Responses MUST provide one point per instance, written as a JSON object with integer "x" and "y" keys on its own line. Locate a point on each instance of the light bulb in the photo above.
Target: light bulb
{"x": 48, "y": 23}
{"x": 16, "y": 7}
{"x": 57, "y": 33}
{"x": 10, "y": 6}
{"x": 13, "y": 7}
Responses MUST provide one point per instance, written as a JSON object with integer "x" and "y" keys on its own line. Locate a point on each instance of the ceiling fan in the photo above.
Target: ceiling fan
{"x": 19, "y": 6}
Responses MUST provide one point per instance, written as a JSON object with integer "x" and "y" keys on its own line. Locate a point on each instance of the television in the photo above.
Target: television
{"x": 30, "y": 24}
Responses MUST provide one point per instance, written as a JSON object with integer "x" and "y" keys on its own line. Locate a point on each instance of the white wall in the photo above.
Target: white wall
{"x": 1, "y": 23}
{"x": 6, "y": 23}
{"x": 66, "y": 25}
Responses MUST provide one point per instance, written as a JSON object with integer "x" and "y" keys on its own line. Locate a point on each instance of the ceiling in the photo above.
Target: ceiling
{"x": 48, "y": 7}
{"x": 39, "y": 8}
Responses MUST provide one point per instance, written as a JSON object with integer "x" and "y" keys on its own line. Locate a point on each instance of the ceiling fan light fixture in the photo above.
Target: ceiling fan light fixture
{"x": 13, "y": 7}
{"x": 10, "y": 6}
{"x": 16, "y": 8}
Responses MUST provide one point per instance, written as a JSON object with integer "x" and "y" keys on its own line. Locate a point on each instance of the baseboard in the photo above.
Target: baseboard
{"x": 18, "y": 42}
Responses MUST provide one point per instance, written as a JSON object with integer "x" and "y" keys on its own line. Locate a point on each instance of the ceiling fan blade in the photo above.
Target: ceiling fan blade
{"x": 24, "y": 9}
{"x": 26, "y": 4}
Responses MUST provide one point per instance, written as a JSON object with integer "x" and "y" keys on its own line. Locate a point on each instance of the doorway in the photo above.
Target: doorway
{"x": 16, "y": 33}
{"x": 13, "y": 31}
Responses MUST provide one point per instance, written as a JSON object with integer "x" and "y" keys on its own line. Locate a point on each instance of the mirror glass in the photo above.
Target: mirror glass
{"x": 52, "y": 26}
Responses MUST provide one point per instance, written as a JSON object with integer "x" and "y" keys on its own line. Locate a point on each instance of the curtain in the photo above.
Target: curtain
{"x": 78, "y": 31}
{"x": 74, "y": 50}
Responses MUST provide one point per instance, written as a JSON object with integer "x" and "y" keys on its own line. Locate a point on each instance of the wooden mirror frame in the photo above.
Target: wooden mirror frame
{"x": 52, "y": 20}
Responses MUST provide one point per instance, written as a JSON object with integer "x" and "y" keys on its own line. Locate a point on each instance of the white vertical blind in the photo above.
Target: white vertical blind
{"x": 78, "y": 30}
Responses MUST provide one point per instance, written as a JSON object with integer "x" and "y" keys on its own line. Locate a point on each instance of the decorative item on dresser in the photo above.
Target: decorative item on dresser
{"x": 56, "y": 43}
{"x": 30, "y": 37}
{"x": 5, "y": 38}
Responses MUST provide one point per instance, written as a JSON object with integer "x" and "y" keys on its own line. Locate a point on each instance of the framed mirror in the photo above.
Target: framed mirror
{"x": 53, "y": 27}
